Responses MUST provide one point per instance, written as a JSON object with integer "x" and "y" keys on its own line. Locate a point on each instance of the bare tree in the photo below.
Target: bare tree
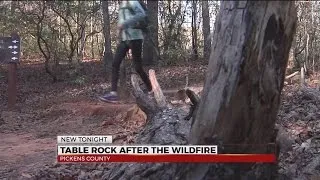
{"x": 42, "y": 43}
{"x": 172, "y": 15}
{"x": 306, "y": 40}
{"x": 206, "y": 29}
{"x": 194, "y": 31}
{"x": 107, "y": 57}
{"x": 64, "y": 12}
{"x": 150, "y": 46}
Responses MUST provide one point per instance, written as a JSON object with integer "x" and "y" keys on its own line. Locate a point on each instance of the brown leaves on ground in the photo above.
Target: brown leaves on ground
{"x": 175, "y": 77}
{"x": 299, "y": 121}
{"x": 71, "y": 107}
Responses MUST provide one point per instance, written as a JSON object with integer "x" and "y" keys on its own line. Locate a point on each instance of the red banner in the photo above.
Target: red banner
{"x": 194, "y": 158}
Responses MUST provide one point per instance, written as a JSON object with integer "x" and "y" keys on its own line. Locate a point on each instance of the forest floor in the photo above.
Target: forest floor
{"x": 70, "y": 107}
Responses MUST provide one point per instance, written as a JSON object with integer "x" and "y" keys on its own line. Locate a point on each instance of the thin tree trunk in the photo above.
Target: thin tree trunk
{"x": 77, "y": 24}
{"x": 169, "y": 34}
{"x": 194, "y": 31}
{"x": 107, "y": 56}
{"x": 13, "y": 7}
{"x": 98, "y": 42}
{"x": 41, "y": 41}
{"x": 206, "y": 29}
{"x": 91, "y": 38}
{"x": 150, "y": 46}
{"x": 313, "y": 38}
{"x": 82, "y": 47}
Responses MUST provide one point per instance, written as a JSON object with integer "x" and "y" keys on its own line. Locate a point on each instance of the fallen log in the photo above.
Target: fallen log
{"x": 165, "y": 125}
{"x": 292, "y": 75}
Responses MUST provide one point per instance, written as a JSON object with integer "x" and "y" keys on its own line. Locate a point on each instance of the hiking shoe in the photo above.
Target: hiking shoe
{"x": 110, "y": 97}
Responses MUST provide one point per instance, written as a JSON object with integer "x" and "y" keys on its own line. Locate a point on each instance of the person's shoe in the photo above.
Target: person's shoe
{"x": 110, "y": 97}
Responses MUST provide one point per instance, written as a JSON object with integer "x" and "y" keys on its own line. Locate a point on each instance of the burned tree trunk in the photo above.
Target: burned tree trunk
{"x": 240, "y": 100}
{"x": 246, "y": 72}
{"x": 245, "y": 76}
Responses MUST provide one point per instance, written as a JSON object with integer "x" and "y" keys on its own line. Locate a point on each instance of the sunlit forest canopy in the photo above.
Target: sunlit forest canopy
{"x": 72, "y": 31}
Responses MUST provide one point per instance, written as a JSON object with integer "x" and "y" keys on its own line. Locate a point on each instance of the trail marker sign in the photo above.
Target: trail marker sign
{"x": 10, "y": 54}
{"x": 10, "y": 49}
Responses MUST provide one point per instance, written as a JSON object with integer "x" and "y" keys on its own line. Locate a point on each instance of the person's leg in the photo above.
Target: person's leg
{"x": 136, "y": 49}
{"x": 120, "y": 54}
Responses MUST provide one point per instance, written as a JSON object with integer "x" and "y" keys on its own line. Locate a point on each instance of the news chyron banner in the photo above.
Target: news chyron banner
{"x": 101, "y": 149}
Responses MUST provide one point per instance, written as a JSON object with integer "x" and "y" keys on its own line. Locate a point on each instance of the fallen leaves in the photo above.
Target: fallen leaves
{"x": 299, "y": 121}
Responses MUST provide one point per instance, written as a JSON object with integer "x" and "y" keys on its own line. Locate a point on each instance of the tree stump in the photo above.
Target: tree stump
{"x": 239, "y": 102}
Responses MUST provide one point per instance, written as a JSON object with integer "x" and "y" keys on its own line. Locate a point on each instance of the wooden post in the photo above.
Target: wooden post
{"x": 12, "y": 72}
{"x": 12, "y": 85}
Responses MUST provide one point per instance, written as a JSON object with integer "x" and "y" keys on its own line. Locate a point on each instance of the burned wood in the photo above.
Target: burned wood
{"x": 194, "y": 98}
{"x": 158, "y": 95}
{"x": 191, "y": 112}
{"x": 292, "y": 75}
{"x": 181, "y": 95}
{"x": 147, "y": 104}
{"x": 162, "y": 128}
{"x": 240, "y": 99}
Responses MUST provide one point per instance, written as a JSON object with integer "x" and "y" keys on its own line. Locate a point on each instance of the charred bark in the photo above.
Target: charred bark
{"x": 165, "y": 125}
{"x": 240, "y": 99}
{"x": 246, "y": 73}
{"x": 193, "y": 107}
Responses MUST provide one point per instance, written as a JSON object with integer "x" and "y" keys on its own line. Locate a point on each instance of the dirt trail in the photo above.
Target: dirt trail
{"x": 28, "y": 140}
{"x": 21, "y": 153}
{"x": 68, "y": 107}
{"x": 28, "y": 136}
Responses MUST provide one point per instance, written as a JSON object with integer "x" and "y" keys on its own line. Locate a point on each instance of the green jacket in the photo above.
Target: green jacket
{"x": 127, "y": 19}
